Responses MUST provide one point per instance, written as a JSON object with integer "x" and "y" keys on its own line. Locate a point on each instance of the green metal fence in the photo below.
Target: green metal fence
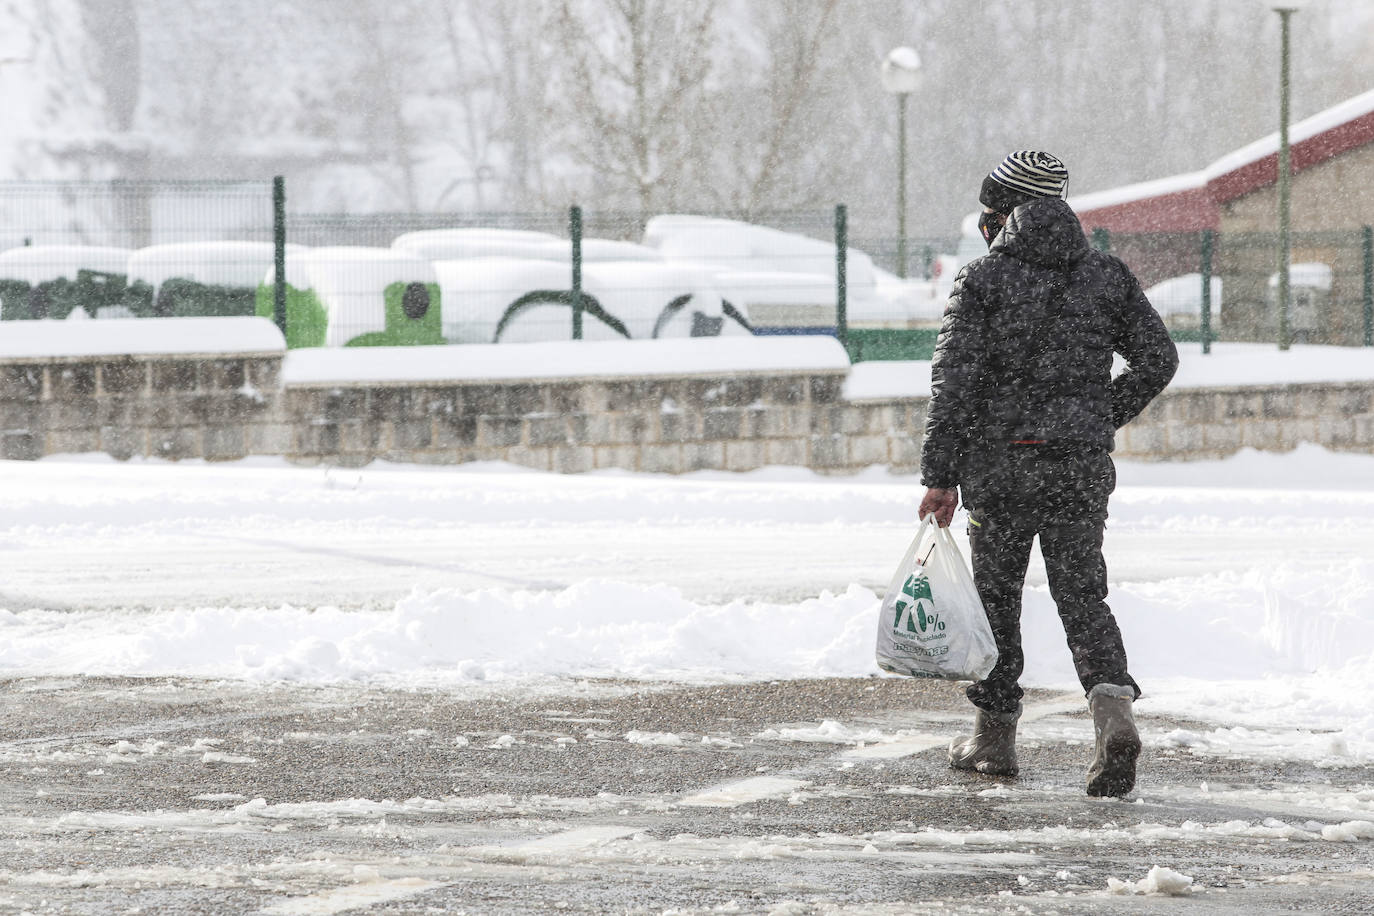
{"x": 133, "y": 248}
{"x": 137, "y": 249}
{"x": 133, "y": 214}
{"x": 180, "y": 249}
{"x": 1330, "y": 293}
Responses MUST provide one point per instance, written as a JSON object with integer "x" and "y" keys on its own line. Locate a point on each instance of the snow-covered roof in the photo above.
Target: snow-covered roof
{"x": 1158, "y": 187}
{"x": 1336, "y": 116}
{"x": 1312, "y": 141}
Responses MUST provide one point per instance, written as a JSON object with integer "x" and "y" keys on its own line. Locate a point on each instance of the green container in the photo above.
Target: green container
{"x": 53, "y": 281}
{"x": 306, "y": 318}
{"x": 357, "y": 297}
{"x": 412, "y": 318}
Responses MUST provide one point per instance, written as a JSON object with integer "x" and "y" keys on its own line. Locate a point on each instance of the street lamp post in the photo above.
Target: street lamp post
{"x": 901, "y": 77}
{"x": 1285, "y": 175}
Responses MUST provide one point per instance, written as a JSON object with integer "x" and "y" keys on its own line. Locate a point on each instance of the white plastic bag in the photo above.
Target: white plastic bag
{"x": 931, "y": 622}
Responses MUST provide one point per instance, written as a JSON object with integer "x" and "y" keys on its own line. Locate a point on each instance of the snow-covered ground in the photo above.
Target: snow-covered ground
{"x": 1245, "y": 587}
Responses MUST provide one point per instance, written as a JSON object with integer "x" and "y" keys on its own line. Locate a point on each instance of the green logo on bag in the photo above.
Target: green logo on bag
{"x": 917, "y": 586}
{"x": 917, "y": 615}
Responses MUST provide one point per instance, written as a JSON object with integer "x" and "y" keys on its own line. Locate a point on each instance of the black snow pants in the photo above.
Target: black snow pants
{"x": 1014, "y": 493}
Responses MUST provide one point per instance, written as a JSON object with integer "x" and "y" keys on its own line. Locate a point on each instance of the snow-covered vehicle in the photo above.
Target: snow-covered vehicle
{"x": 54, "y": 281}
{"x": 788, "y": 282}
{"x": 457, "y": 244}
{"x": 357, "y": 297}
{"x": 508, "y": 286}
{"x": 191, "y": 279}
{"x": 452, "y": 244}
{"x": 505, "y": 300}
{"x": 1179, "y": 301}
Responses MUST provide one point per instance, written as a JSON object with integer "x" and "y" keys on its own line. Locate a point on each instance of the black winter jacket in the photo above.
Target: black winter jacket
{"x": 1025, "y": 350}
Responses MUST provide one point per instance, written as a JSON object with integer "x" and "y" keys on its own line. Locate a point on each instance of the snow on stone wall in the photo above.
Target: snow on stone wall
{"x": 750, "y": 407}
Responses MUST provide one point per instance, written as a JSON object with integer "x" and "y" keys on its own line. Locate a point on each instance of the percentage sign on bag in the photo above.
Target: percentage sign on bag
{"x": 929, "y": 621}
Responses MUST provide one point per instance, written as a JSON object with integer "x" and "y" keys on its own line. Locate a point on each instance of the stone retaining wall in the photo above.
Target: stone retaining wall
{"x": 230, "y": 406}
{"x": 669, "y": 425}
{"x": 182, "y": 406}
{"x": 1215, "y": 422}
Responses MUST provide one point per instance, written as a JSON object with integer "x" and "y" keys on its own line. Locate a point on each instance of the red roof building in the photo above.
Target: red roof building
{"x": 1197, "y": 200}
{"x": 1155, "y": 226}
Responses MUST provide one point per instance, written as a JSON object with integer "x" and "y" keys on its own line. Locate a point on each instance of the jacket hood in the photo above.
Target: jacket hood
{"x": 1044, "y": 231}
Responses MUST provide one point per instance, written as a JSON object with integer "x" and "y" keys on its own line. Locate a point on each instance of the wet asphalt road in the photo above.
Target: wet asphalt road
{"x": 175, "y": 796}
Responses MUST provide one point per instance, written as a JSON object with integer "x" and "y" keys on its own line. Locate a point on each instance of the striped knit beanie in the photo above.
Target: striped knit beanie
{"x": 1023, "y": 176}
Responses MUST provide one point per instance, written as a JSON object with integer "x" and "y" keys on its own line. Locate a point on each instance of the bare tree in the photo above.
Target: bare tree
{"x": 113, "y": 28}
{"x": 494, "y": 71}
{"x": 637, "y": 78}
{"x": 57, "y": 121}
{"x": 796, "y": 103}
{"x": 384, "y": 49}
{"x": 659, "y": 104}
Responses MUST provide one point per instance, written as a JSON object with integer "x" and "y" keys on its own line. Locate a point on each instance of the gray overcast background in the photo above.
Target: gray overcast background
{"x": 652, "y": 105}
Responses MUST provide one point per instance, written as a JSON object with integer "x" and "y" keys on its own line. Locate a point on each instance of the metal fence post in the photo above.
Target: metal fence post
{"x": 901, "y": 184}
{"x": 1369, "y": 286}
{"x": 575, "y": 231}
{"x": 1205, "y": 320}
{"x": 279, "y": 251}
{"x": 1285, "y": 180}
{"x": 841, "y": 278}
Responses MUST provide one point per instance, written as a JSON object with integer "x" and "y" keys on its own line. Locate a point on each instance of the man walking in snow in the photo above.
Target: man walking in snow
{"x": 1022, "y": 419}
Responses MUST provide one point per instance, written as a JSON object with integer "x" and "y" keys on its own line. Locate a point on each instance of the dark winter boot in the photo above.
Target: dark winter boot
{"x": 1118, "y": 744}
{"x": 991, "y": 749}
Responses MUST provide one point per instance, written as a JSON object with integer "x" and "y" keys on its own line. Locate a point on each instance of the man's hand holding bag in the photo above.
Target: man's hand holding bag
{"x": 931, "y": 622}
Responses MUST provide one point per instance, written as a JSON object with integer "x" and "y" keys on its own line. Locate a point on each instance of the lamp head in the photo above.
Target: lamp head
{"x": 902, "y": 71}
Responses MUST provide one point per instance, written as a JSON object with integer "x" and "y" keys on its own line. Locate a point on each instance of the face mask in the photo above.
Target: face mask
{"x": 989, "y": 224}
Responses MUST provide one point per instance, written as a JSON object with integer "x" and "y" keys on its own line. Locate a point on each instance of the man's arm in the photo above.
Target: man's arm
{"x": 1151, "y": 357}
{"x": 955, "y": 376}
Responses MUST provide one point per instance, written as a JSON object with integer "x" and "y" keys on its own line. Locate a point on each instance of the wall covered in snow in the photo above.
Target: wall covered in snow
{"x": 666, "y": 418}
